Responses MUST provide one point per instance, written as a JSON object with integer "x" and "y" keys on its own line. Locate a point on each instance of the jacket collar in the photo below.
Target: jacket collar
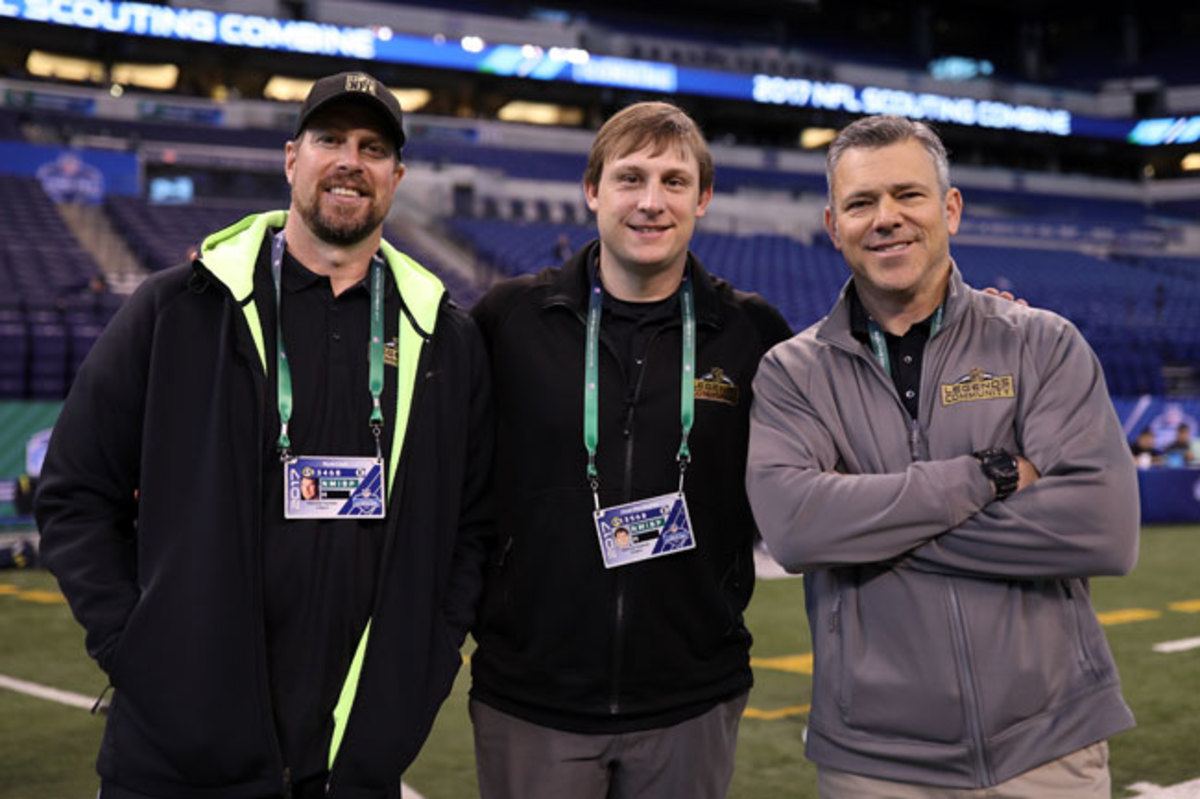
{"x": 230, "y": 256}
{"x": 838, "y": 326}
{"x": 570, "y": 285}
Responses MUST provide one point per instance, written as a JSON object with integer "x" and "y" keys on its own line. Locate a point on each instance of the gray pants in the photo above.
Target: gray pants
{"x": 1083, "y": 774}
{"x": 519, "y": 760}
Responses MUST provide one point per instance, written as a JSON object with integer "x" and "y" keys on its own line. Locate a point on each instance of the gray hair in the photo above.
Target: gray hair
{"x": 880, "y": 131}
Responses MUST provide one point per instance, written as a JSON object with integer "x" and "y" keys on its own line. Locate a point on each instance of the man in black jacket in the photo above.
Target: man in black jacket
{"x": 262, "y": 643}
{"x": 616, "y": 664}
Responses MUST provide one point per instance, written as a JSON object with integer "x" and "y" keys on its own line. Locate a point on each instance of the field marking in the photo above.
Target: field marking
{"x": 796, "y": 664}
{"x": 1184, "y": 790}
{"x": 773, "y": 715}
{"x": 87, "y": 703}
{"x": 33, "y": 595}
{"x": 46, "y": 692}
{"x": 1188, "y": 606}
{"x": 1126, "y": 616}
{"x": 1182, "y": 645}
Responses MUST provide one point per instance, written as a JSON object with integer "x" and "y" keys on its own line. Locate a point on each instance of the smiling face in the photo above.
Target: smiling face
{"x": 893, "y": 224}
{"x": 646, "y": 206}
{"x": 343, "y": 170}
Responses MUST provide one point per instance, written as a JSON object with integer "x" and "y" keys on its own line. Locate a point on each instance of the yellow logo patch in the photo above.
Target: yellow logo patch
{"x": 717, "y": 387}
{"x": 978, "y": 385}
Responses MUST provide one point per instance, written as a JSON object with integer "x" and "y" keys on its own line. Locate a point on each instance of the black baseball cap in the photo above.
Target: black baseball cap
{"x": 358, "y": 87}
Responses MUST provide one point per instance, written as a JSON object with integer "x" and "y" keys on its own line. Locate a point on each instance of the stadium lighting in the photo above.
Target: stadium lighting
{"x": 812, "y": 138}
{"x": 539, "y": 113}
{"x": 162, "y": 77}
{"x": 293, "y": 90}
{"x": 1191, "y": 162}
{"x": 59, "y": 67}
{"x": 472, "y": 44}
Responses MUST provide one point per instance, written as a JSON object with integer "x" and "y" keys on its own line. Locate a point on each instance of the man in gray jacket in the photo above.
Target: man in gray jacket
{"x": 947, "y": 470}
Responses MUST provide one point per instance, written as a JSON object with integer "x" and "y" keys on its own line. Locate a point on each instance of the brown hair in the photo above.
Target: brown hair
{"x": 655, "y": 125}
{"x": 881, "y": 131}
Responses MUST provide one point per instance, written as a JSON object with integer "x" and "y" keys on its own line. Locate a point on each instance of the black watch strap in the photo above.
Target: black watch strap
{"x": 1000, "y": 466}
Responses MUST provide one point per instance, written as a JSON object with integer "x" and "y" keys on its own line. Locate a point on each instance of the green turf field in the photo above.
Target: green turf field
{"x": 46, "y": 749}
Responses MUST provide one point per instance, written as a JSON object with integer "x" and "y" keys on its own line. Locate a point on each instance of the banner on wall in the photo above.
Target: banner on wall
{"x": 72, "y": 174}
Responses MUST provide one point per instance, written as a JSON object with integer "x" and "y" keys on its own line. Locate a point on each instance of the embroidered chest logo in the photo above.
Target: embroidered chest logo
{"x": 717, "y": 387}
{"x": 978, "y": 385}
{"x": 391, "y": 353}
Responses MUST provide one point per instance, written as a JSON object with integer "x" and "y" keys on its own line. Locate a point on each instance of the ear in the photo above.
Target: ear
{"x": 705, "y": 198}
{"x": 398, "y": 176}
{"x": 831, "y": 228}
{"x": 590, "y": 193}
{"x": 289, "y": 159}
{"x": 954, "y": 206}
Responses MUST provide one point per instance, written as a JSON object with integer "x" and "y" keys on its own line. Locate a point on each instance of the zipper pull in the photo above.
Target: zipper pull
{"x": 508, "y": 545}
{"x": 100, "y": 705}
{"x": 287, "y": 782}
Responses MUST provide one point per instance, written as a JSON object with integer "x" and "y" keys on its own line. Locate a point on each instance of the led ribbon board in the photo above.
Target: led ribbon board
{"x": 576, "y": 66}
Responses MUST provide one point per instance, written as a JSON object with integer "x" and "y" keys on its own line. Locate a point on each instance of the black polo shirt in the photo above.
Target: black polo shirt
{"x": 905, "y": 353}
{"x": 630, "y": 327}
{"x": 319, "y": 575}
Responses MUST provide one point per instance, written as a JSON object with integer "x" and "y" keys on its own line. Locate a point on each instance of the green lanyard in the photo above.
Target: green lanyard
{"x": 591, "y": 382}
{"x": 879, "y": 341}
{"x": 374, "y": 352}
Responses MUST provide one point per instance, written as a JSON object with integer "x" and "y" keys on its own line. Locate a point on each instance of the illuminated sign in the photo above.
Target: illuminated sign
{"x": 935, "y": 107}
{"x": 575, "y": 65}
{"x": 955, "y": 67}
{"x": 197, "y": 25}
{"x": 1183, "y": 130}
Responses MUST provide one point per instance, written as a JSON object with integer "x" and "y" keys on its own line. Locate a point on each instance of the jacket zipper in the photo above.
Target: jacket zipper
{"x": 614, "y": 702}
{"x": 970, "y": 697}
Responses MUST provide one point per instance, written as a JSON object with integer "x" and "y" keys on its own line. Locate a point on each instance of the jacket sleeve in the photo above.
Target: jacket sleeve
{"x": 812, "y": 515}
{"x": 476, "y": 528}
{"x": 1081, "y": 517}
{"x": 86, "y": 508}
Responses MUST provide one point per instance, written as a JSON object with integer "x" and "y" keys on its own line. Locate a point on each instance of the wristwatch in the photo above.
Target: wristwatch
{"x": 1000, "y": 466}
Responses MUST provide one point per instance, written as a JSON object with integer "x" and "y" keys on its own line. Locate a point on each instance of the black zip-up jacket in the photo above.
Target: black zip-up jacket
{"x": 564, "y": 642}
{"x": 173, "y": 404}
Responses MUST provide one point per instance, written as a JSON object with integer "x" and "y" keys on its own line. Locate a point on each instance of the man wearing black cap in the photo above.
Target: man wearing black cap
{"x": 262, "y": 641}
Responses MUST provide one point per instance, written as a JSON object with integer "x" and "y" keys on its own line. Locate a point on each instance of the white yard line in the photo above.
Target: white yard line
{"x": 45, "y": 692}
{"x": 1184, "y": 790}
{"x": 86, "y": 702}
{"x": 1182, "y": 645}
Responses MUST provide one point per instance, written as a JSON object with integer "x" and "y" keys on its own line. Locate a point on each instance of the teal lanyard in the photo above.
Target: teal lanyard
{"x": 374, "y": 352}
{"x": 591, "y": 382}
{"x": 879, "y": 340}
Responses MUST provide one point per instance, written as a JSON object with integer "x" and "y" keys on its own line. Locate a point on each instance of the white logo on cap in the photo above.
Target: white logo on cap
{"x": 360, "y": 83}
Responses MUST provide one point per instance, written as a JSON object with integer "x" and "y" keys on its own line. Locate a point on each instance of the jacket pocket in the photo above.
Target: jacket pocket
{"x": 1072, "y": 597}
{"x": 1031, "y": 648}
{"x": 897, "y": 669}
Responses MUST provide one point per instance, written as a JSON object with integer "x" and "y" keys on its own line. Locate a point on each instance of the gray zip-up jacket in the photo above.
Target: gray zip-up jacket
{"x": 953, "y": 636}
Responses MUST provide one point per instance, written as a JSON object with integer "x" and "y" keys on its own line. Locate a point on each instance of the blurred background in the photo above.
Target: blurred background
{"x": 131, "y": 130}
